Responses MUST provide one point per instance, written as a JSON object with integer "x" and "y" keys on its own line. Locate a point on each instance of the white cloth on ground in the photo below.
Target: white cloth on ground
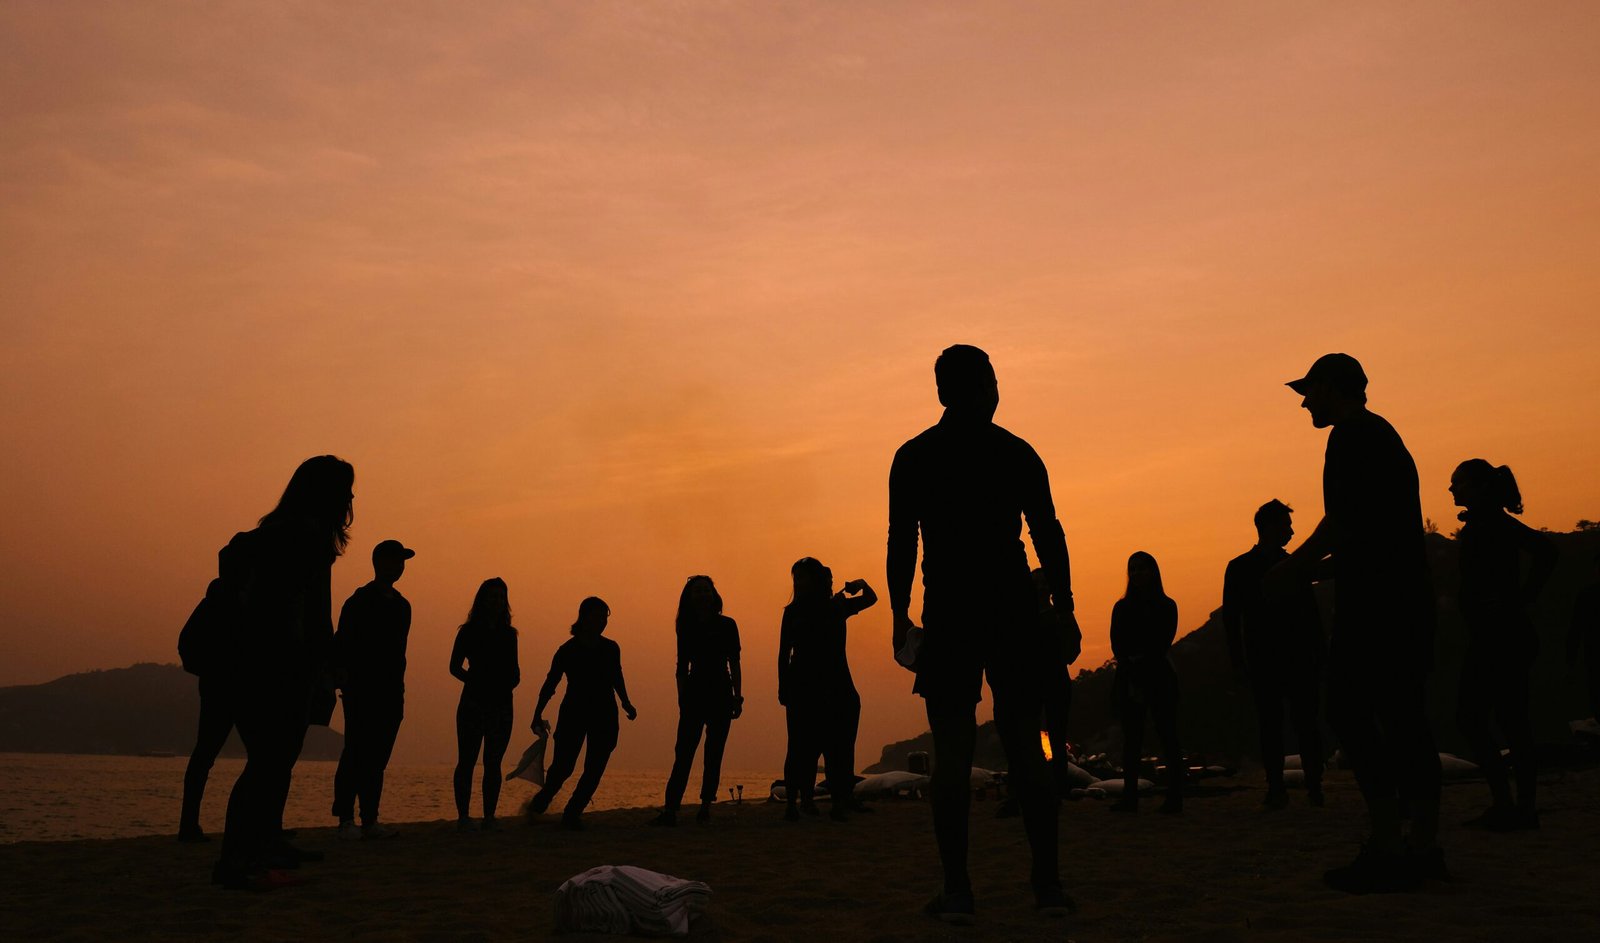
{"x": 624, "y": 899}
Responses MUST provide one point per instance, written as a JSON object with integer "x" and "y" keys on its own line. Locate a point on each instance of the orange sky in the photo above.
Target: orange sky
{"x": 596, "y": 296}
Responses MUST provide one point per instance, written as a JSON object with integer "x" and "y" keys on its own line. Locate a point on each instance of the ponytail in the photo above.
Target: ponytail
{"x": 1506, "y": 493}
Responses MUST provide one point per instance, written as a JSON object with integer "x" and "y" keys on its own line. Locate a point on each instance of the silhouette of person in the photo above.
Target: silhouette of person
{"x": 1143, "y": 624}
{"x": 370, "y": 660}
{"x": 484, "y": 660}
{"x": 279, "y": 670}
{"x": 821, "y": 705}
{"x": 1060, "y": 642}
{"x": 1583, "y": 639}
{"x": 592, "y": 666}
{"x": 1275, "y": 640}
{"x": 1381, "y": 647}
{"x": 207, "y": 658}
{"x": 965, "y": 485}
{"x": 1501, "y": 640}
{"x": 710, "y": 693}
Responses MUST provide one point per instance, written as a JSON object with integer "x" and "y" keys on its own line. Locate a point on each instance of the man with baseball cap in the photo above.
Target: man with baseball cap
{"x": 370, "y": 654}
{"x": 1381, "y": 648}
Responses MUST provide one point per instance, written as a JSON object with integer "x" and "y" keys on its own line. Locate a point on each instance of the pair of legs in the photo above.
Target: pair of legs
{"x": 1495, "y": 692}
{"x": 272, "y": 725}
{"x": 1152, "y": 690}
{"x": 711, "y": 718}
{"x": 952, "y": 718}
{"x": 1301, "y": 689}
{"x": 573, "y": 731}
{"x": 486, "y": 725}
{"x": 216, "y": 722}
{"x": 371, "y": 724}
{"x": 1377, "y": 706}
{"x": 822, "y": 723}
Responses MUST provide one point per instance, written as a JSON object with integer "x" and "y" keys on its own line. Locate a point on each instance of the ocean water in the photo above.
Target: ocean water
{"x": 57, "y": 797}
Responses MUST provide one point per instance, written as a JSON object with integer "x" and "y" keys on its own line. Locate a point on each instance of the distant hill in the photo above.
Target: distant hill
{"x": 1218, "y": 717}
{"x": 146, "y": 708}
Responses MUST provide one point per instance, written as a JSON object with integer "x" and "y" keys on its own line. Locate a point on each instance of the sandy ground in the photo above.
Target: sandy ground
{"x": 1223, "y": 871}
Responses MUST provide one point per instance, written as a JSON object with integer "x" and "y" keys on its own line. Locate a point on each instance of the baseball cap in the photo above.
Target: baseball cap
{"x": 1340, "y": 371}
{"x": 392, "y": 548}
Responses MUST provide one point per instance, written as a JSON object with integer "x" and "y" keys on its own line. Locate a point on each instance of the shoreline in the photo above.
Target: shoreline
{"x": 1225, "y": 870}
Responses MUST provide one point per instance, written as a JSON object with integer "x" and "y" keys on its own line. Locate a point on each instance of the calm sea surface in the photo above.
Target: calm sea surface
{"x": 53, "y": 797}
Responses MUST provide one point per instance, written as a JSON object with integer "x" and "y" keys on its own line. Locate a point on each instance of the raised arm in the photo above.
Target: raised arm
{"x": 865, "y": 598}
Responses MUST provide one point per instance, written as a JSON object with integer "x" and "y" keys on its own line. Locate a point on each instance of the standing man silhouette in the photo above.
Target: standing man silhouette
{"x": 370, "y": 658}
{"x": 1276, "y": 644}
{"x": 964, "y": 486}
{"x": 1382, "y": 642}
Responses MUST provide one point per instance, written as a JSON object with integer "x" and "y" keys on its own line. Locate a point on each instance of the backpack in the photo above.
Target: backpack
{"x": 198, "y": 641}
{"x": 207, "y": 639}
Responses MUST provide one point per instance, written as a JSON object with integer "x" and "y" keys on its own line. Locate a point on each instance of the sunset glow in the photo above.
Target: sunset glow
{"x": 596, "y": 296}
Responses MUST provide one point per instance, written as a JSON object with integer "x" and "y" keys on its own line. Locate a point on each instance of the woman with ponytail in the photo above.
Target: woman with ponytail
{"x": 1501, "y": 643}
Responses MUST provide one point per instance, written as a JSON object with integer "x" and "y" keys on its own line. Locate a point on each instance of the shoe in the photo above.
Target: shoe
{"x": 668, "y": 818}
{"x": 257, "y": 879}
{"x": 538, "y": 804}
{"x": 792, "y": 813}
{"x": 1126, "y": 804}
{"x": 489, "y": 824}
{"x": 464, "y": 824}
{"x": 1277, "y": 798}
{"x": 1374, "y": 872}
{"x": 292, "y": 853}
{"x": 1315, "y": 797}
{"x": 1496, "y": 818}
{"x": 951, "y": 908}
{"x": 704, "y": 815}
{"x": 1516, "y": 820}
{"x": 192, "y": 836}
{"x": 1429, "y": 865}
{"x": 350, "y": 831}
{"x": 378, "y": 831}
{"x": 1053, "y": 902}
{"x": 572, "y": 823}
{"x": 1173, "y": 805}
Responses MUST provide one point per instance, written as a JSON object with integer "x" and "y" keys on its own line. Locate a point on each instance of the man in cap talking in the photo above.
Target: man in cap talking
{"x": 1381, "y": 647}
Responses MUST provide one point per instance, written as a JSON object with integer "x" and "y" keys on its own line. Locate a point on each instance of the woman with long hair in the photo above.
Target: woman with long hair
{"x": 710, "y": 693}
{"x": 1143, "y": 624}
{"x": 592, "y": 666}
{"x": 484, "y": 660}
{"x": 1501, "y": 642}
{"x": 276, "y": 677}
{"x": 821, "y": 704}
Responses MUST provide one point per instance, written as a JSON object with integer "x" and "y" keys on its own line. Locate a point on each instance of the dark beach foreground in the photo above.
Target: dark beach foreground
{"x": 1223, "y": 871}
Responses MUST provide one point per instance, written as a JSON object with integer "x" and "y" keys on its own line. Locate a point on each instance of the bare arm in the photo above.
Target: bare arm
{"x": 901, "y": 565}
{"x": 785, "y": 655}
{"x": 1543, "y": 554}
{"x": 458, "y": 658}
{"x": 548, "y": 689}
{"x": 1049, "y": 541}
{"x": 621, "y": 686}
{"x": 1232, "y": 594}
{"x": 865, "y": 598}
